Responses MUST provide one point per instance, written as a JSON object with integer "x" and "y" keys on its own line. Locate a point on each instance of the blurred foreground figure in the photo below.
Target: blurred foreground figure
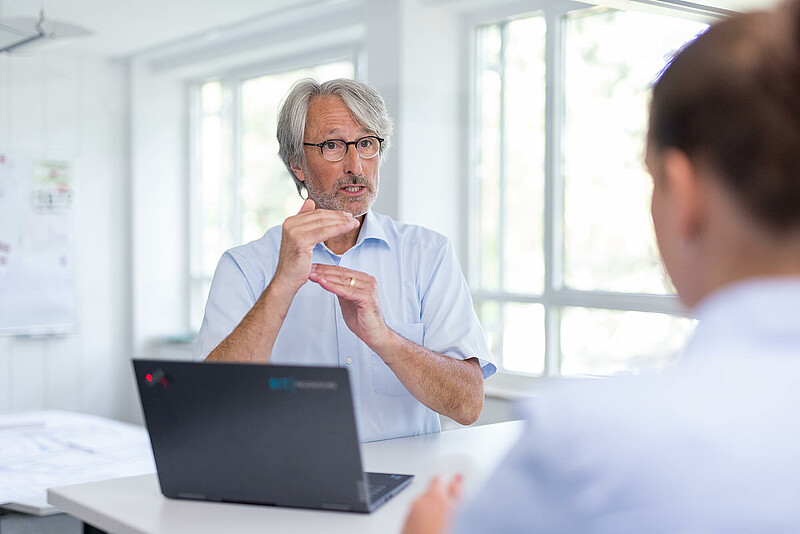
{"x": 711, "y": 445}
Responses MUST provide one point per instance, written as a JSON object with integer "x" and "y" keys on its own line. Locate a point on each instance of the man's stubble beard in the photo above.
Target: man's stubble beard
{"x": 328, "y": 199}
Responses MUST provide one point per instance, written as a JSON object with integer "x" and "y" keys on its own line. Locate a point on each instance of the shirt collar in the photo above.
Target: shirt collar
{"x": 372, "y": 229}
{"x": 746, "y": 314}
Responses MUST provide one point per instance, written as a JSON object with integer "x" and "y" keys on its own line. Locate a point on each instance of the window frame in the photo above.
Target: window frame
{"x": 555, "y": 297}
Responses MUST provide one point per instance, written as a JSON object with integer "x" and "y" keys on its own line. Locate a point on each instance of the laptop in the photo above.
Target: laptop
{"x": 258, "y": 434}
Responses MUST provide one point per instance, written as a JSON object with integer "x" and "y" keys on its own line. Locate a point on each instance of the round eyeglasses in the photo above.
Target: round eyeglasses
{"x": 335, "y": 149}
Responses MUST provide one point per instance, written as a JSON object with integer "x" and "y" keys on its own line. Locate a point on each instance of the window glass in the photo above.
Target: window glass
{"x": 523, "y": 338}
{"x": 523, "y": 264}
{"x": 612, "y": 58}
{"x": 609, "y": 60}
{"x": 488, "y": 148}
{"x": 489, "y": 316}
{"x": 215, "y": 175}
{"x": 604, "y": 342}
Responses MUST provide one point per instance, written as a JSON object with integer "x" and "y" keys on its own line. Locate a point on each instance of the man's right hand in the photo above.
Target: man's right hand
{"x": 301, "y": 233}
{"x": 252, "y": 340}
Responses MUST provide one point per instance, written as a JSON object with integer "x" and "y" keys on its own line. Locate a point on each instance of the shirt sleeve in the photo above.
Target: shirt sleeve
{"x": 451, "y": 325}
{"x": 230, "y": 298}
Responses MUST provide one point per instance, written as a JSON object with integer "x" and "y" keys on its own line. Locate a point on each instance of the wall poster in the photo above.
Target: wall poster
{"x": 37, "y": 292}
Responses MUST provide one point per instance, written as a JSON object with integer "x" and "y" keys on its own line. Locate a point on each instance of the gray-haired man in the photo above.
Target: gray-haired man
{"x": 338, "y": 284}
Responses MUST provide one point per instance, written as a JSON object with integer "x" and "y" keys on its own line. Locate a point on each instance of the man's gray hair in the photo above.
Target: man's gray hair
{"x": 364, "y": 102}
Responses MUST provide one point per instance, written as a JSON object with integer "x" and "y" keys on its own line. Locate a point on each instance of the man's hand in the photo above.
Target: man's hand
{"x": 301, "y": 233}
{"x": 446, "y": 385}
{"x": 432, "y": 512}
{"x": 252, "y": 340}
{"x": 358, "y": 297}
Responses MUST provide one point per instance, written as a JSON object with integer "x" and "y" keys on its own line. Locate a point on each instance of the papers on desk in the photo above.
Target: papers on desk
{"x": 39, "y": 450}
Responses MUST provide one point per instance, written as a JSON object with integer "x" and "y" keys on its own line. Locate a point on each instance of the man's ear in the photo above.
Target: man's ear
{"x": 298, "y": 171}
{"x": 687, "y": 194}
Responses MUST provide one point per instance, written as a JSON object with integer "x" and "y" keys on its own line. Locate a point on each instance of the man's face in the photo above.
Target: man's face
{"x": 350, "y": 184}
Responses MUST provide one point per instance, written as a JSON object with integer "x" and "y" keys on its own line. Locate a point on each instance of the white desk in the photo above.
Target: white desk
{"x": 54, "y": 448}
{"x": 135, "y": 505}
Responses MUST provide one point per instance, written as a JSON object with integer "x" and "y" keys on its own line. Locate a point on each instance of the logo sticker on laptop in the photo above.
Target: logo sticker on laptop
{"x": 157, "y": 377}
{"x": 282, "y": 384}
{"x": 288, "y": 383}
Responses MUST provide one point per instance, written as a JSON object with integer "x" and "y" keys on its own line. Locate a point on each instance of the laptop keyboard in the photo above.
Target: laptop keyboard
{"x": 381, "y": 485}
{"x": 375, "y": 490}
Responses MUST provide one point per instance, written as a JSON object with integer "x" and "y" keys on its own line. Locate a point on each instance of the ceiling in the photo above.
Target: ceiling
{"x": 124, "y": 27}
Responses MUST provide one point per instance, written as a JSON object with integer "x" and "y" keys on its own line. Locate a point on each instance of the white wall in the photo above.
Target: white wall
{"x": 159, "y": 203}
{"x": 72, "y": 107}
{"x": 415, "y": 59}
{"x": 433, "y": 164}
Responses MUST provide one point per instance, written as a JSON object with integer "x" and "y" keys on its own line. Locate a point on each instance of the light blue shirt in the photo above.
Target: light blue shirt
{"x": 423, "y": 296}
{"x": 710, "y": 445}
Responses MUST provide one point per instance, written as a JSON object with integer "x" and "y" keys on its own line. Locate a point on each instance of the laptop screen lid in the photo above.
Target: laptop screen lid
{"x": 261, "y": 434}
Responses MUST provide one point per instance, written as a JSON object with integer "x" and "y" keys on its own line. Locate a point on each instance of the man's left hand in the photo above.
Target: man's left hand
{"x": 358, "y": 297}
{"x": 446, "y": 385}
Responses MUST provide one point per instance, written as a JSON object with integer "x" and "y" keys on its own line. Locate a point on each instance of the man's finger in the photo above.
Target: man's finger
{"x": 320, "y": 225}
{"x": 318, "y": 232}
{"x": 343, "y": 282}
{"x": 318, "y": 217}
{"x": 334, "y": 271}
{"x": 337, "y": 288}
{"x": 308, "y": 205}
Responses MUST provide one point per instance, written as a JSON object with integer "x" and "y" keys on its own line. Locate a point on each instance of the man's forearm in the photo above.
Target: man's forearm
{"x": 252, "y": 340}
{"x": 451, "y": 387}
{"x": 446, "y": 385}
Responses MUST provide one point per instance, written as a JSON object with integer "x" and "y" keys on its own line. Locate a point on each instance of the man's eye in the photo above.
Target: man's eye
{"x": 366, "y": 143}
{"x": 330, "y": 145}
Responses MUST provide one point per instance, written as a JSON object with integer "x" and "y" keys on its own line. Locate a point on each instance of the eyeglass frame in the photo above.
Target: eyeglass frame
{"x": 347, "y": 147}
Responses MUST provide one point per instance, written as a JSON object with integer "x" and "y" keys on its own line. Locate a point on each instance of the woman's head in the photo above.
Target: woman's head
{"x": 731, "y": 101}
{"x": 724, "y": 147}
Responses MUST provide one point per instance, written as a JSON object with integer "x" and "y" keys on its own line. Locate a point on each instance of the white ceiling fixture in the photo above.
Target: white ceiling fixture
{"x": 125, "y": 28}
{"x": 30, "y": 34}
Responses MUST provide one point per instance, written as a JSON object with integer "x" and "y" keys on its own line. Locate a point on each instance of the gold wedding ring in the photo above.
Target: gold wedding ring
{"x": 352, "y": 281}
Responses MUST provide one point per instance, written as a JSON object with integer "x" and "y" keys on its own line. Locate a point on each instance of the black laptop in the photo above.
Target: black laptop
{"x": 258, "y": 434}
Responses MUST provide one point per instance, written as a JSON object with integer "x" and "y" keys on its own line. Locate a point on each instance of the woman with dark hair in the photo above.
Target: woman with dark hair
{"x": 710, "y": 445}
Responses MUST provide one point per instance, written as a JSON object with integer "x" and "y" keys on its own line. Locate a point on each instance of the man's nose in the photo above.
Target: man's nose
{"x": 352, "y": 161}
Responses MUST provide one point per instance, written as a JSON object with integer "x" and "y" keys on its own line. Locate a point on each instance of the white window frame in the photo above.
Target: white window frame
{"x": 555, "y": 296}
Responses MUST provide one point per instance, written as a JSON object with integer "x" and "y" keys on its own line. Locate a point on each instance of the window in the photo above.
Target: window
{"x": 240, "y": 187}
{"x": 565, "y": 272}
